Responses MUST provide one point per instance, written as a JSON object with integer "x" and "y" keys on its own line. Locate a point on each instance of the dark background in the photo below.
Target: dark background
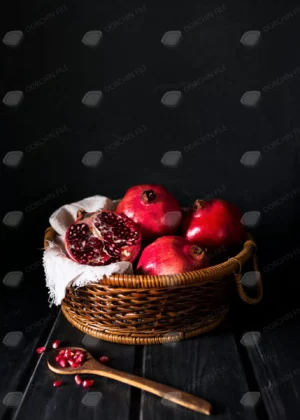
{"x": 57, "y": 164}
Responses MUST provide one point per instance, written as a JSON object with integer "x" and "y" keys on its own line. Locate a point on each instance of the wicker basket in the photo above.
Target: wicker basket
{"x": 143, "y": 309}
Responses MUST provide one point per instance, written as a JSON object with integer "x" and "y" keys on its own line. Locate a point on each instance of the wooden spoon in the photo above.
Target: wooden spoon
{"x": 91, "y": 366}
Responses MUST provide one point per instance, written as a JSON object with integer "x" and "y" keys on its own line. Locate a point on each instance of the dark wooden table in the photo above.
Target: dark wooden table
{"x": 245, "y": 374}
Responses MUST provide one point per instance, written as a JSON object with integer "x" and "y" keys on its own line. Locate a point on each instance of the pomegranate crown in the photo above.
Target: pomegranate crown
{"x": 199, "y": 204}
{"x": 148, "y": 196}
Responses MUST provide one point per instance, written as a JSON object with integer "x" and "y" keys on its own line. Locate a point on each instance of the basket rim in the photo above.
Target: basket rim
{"x": 234, "y": 264}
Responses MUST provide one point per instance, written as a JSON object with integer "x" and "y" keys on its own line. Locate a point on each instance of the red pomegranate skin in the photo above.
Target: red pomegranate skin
{"x": 213, "y": 224}
{"x": 153, "y": 208}
{"x": 171, "y": 255}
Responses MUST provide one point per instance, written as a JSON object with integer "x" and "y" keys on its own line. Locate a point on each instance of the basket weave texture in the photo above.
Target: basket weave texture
{"x": 144, "y": 309}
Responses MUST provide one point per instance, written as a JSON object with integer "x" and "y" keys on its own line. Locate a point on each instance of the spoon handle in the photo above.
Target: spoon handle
{"x": 167, "y": 392}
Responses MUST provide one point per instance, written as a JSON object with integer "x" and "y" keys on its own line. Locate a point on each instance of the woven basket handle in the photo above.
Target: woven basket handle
{"x": 259, "y": 287}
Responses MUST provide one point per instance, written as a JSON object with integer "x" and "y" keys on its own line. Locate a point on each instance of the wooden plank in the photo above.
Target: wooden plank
{"x": 25, "y": 324}
{"x": 274, "y": 354}
{"x": 107, "y": 399}
{"x": 207, "y": 366}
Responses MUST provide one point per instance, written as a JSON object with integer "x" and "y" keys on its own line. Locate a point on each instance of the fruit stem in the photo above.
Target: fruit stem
{"x": 148, "y": 196}
{"x": 198, "y": 204}
{"x": 197, "y": 250}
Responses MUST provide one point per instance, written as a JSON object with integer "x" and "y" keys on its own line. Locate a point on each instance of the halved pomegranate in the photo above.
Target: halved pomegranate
{"x": 102, "y": 238}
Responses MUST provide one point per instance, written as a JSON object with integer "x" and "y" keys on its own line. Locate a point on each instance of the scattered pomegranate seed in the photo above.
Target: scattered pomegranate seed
{"x": 55, "y": 344}
{"x": 103, "y": 359}
{"x": 40, "y": 350}
{"x": 57, "y": 383}
{"x": 78, "y": 379}
{"x": 87, "y": 383}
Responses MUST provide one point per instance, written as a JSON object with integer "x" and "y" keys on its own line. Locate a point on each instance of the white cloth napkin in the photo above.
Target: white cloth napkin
{"x": 60, "y": 270}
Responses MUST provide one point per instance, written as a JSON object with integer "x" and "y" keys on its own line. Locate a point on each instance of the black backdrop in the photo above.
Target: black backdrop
{"x": 214, "y": 64}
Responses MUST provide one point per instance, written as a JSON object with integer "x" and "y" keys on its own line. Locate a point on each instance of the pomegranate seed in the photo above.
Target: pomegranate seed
{"x": 55, "y": 344}
{"x": 103, "y": 359}
{"x": 79, "y": 356}
{"x": 78, "y": 379}
{"x": 75, "y": 365}
{"x": 63, "y": 362}
{"x": 40, "y": 350}
{"x": 67, "y": 357}
{"x": 87, "y": 383}
{"x": 57, "y": 383}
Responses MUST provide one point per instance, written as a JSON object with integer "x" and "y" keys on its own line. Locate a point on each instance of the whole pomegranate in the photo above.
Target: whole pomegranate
{"x": 171, "y": 255}
{"x": 213, "y": 223}
{"x": 102, "y": 238}
{"x": 153, "y": 208}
